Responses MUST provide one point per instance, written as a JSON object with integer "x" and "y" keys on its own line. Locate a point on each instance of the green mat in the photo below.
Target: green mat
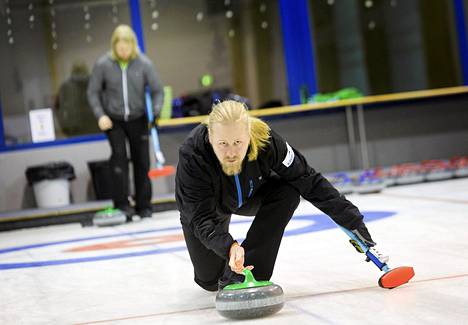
{"x": 345, "y": 93}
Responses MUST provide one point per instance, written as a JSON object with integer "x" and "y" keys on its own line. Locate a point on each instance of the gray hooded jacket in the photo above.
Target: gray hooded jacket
{"x": 121, "y": 93}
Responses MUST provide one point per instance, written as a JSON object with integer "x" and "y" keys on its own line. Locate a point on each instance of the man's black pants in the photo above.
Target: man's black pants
{"x": 136, "y": 132}
{"x": 273, "y": 207}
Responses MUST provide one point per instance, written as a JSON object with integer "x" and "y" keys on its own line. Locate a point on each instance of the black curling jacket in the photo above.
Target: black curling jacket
{"x": 205, "y": 195}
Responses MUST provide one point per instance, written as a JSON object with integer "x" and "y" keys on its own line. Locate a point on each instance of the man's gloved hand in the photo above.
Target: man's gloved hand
{"x": 363, "y": 234}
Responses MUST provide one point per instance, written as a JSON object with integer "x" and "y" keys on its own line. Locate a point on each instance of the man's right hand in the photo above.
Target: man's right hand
{"x": 105, "y": 123}
{"x": 236, "y": 258}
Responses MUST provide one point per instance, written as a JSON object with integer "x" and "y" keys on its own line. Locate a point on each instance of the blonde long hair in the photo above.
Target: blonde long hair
{"x": 125, "y": 33}
{"x": 230, "y": 111}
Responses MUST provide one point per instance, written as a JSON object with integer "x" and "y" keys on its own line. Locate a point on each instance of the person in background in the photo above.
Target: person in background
{"x": 71, "y": 104}
{"x": 116, "y": 94}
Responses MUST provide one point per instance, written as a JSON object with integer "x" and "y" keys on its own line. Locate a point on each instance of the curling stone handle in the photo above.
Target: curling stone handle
{"x": 248, "y": 276}
{"x": 249, "y": 282}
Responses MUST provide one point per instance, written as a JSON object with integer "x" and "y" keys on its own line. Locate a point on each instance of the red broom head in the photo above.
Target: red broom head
{"x": 396, "y": 277}
{"x": 162, "y": 171}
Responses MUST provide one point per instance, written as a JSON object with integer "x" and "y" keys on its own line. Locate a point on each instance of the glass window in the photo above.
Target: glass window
{"x": 384, "y": 46}
{"x": 47, "y": 51}
{"x": 208, "y": 49}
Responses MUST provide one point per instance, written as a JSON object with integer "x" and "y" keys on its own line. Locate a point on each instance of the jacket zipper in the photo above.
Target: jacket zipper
{"x": 239, "y": 191}
{"x": 125, "y": 94}
{"x": 251, "y": 188}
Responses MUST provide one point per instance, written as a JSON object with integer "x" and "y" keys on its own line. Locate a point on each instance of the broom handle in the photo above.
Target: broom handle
{"x": 382, "y": 266}
{"x": 160, "y": 160}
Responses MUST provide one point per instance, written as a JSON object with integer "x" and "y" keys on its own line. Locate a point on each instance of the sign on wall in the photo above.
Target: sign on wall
{"x": 42, "y": 125}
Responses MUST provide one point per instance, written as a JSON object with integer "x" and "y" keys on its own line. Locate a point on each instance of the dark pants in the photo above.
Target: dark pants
{"x": 273, "y": 207}
{"x": 136, "y": 132}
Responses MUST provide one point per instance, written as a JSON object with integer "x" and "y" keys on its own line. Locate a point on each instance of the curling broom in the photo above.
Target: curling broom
{"x": 392, "y": 278}
{"x": 160, "y": 169}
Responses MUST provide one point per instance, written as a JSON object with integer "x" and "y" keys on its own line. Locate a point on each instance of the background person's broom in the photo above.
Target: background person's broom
{"x": 160, "y": 170}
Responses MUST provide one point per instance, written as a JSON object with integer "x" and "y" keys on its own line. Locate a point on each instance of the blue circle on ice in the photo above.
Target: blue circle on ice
{"x": 313, "y": 223}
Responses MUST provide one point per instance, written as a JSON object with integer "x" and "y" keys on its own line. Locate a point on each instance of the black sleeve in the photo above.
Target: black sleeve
{"x": 196, "y": 202}
{"x": 94, "y": 90}
{"x": 291, "y": 166}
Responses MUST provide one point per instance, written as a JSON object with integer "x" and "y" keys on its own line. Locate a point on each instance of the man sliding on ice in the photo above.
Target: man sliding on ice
{"x": 235, "y": 164}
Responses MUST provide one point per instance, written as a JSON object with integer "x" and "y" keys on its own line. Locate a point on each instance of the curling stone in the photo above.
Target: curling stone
{"x": 250, "y": 299}
{"x": 461, "y": 172}
{"x": 109, "y": 217}
{"x": 438, "y": 170}
{"x": 342, "y": 182}
{"x": 409, "y": 173}
{"x": 460, "y": 166}
{"x": 369, "y": 182}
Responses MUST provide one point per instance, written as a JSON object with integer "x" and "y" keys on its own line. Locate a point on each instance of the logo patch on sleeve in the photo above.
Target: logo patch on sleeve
{"x": 288, "y": 160}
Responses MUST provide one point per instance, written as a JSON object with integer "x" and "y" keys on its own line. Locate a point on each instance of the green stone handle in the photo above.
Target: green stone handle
{"x": 249, "y": 282}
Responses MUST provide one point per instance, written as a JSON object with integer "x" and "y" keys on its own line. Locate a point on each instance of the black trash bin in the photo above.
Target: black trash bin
{"x": 102, "y": 179}
{"x": 51, "y": 183}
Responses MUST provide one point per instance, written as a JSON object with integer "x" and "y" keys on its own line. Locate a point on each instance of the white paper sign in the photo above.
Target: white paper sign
{"x": 42, "y": 125}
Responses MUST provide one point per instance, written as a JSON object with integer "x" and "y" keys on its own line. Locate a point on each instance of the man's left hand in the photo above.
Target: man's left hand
{"x": 363, "y": 234}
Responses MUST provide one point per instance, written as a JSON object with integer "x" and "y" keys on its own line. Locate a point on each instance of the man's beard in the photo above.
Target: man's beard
{"x": 231, "y": 169}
